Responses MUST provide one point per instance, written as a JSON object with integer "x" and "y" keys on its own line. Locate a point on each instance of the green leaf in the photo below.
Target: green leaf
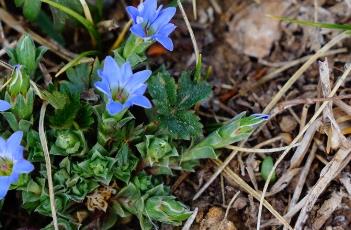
{"x": 172, "y": 105}
{"x": 31, "y": 9}
{"x": 86, "y": 23}
{"x": 11, "y": 120}
{"x": 79, "y": 78}
{"x": 19, "y": 3}
{"x": 56, "y": 99}
{"x": 126, "y": 162}
{"x": 205, "y": 152}
{"x": 167, "y": 210}
{"x": 183, "y": 124}
{"x": 46, "y": 25}
{"x": 162, "y": 89}
{"x": 266, "y": 167}
{"x": 190, "y": 93}
{"x": 64, "y": 118}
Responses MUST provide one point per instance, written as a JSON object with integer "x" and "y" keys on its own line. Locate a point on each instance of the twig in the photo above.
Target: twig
{"x": 315, "y": 116}
{"x": 44, "y": 145}
{"x": 191, "y": 32}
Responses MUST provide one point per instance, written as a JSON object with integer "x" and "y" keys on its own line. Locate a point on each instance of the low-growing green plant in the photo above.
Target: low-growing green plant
{"x": 108, "y": 160}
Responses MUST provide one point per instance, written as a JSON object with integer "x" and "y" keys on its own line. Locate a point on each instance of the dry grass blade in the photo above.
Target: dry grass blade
{"x": 328, "y": 173}
{"x": 302, "y": 69}
{"x": 254, "y": 150}
{"x": 269, "y": 107}
{"x": 302, "y": 178}
{"x": 327, "y": 209}
{"x": 315, "y": 116}
{"x": 44, "y": 145}
{"x": 190, "y": 220}
{"x": 191, "y": 32}
{"x": 86, "y": 10}
{"x": 232, "y": 176}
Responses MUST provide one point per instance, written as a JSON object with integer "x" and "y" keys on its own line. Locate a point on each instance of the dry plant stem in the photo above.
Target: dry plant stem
{"x": 343, "y": 106}
{"x": 302, "y": 178}
{"x": 86, "y": 10}
{"x": 44, "y": 145}
{"x": 121, "y": 36}
{"x": 194, "y": 9}
{"x": 302, "y": 69}
{"x": 315, "y": 116}
{"x": 253, "y": 150}
{"x": 236, "y": 179}
{"x": 305, "y": 143}
{"x": 54, "y": 47}
{"x": 191, "y": 32}
{"x": 328, "y": 173}
{"x": 218, "y": 171}
{"x": 190, "y": 220}
{"x": 290, "y": 64}
{"x": 303, "y": 119}
{"x": 231, "y": 204}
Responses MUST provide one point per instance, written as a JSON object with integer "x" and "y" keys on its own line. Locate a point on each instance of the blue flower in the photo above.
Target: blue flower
{"x": 12, "y": 163}
{"x": 4, "y": 105}
{"x": 121, "y": 87}
{"x": 150, "y": 22}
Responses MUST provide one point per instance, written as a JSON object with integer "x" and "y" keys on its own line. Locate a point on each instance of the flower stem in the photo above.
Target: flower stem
{"x": 44, "y": 145}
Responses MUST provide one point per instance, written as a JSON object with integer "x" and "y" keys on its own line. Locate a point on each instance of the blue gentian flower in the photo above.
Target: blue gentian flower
{"x": 121, "y": 87}
{"x": 12, "y": 163}
{"x": 150, "y": 22}
{"x": 4, "y": 105}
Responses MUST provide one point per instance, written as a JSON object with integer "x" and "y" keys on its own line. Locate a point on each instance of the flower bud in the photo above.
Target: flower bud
{"x": 19, "y": 82}
{"x": 68, "y": 141}
{"x": 166, "y": 209}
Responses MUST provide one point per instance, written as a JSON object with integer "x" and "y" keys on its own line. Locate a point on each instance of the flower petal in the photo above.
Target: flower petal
{"x": 114, "y": 107}
{"x": 165, "y": 42}
{"x": 137, "y": 79}
{"x": 111, "y": 72}
{"x": 138, "y": 91}
{"x": 23, "y": 166}
{"x": 13, "y": 178}
{"x": 4, "y": 105}
{"x": 13, "y": 145}
{"x": 141, "y": 101}
{"x": 138, "y": 30}
{"x": 127, "y": 74}
{"x": 4, "y": 186}
{"x": 149, "y": 9}
{"x": 103, "y": 86}
{"x": 165, "y": 16}
{"x": 133, "y": 13}
{"x": 166, "y": 30}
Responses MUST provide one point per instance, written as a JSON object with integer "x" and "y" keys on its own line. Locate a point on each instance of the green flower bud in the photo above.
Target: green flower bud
{"x": 166, "y": 209}
{"x": 68, "y": 140}
{"x": 19, "y": 82}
